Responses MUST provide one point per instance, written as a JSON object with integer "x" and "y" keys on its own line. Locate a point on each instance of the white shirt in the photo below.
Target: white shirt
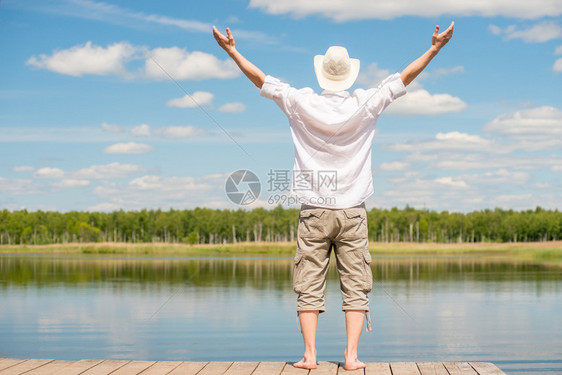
{"x": 333, "y": 135}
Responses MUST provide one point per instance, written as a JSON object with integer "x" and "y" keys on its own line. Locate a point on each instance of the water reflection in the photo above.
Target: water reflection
{"x": 424, "y": 308}
{"x": 260, "y": 273}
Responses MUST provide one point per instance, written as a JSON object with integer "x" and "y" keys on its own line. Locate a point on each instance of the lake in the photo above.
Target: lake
{"x": 423, "y": 308}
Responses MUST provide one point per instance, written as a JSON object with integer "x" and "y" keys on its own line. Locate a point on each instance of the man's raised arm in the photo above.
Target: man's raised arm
{"x": 251, "y": 71}
{"x": 437, "y": 42}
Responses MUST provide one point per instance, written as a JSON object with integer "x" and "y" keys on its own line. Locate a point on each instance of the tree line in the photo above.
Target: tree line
{"x": 214, "y": 226}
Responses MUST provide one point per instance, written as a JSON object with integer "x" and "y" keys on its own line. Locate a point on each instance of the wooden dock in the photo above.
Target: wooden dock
{"x": 12, "y": 366}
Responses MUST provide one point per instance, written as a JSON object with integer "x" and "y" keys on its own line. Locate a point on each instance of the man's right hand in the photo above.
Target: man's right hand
{"x": 439, "y": 40}
{"x": 226, "y": 42}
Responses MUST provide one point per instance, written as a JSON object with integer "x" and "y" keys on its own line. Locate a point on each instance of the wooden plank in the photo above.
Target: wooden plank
{"x": 486, "y": 368}
{"x": 404, "y": 368}
{"x": 378, "y": 368}
{"x": 50, "y": 368}
{"x": 342, "y": 370}
{"x": 9, "y": 362}
{"x": 188, "y": 368}
{"x": 25, "y": 366}
{"x": 292, "y": 370}
{"x": 16, "y": 366}
{"x": 161, "y": 368}
{"x": 326, "y": 368}
{"x": 269, "y": 368}
{"x": 459, "y": 368}
{"x": 432, "y": 368}
{"x": 241, "y": 368}
{"x": 78, "y": 367}
{"x": 133, "y": 368}
{"x": 105, "y": 367}
{"x": 215, "y": 368}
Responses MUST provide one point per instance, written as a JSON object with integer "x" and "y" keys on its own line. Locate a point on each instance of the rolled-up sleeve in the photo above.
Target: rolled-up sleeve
{"x": 389, "y": 90}
{"x": 279, "y": 92}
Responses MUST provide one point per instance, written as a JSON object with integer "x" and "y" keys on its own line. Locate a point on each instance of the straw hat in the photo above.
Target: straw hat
{"x": 335, "y": 71}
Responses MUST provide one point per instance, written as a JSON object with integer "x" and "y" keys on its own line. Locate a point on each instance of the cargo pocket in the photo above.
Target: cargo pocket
{"x": 310, "y": 224}
{"x": 298, "y": 273}
{"x": 368, "y": 274}
{"x": 356, "y": 222}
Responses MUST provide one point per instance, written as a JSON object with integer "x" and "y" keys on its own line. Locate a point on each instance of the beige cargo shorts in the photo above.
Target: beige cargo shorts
{"x": 344, "y": 230}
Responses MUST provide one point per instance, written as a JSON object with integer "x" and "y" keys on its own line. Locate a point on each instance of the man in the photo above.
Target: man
{"x": 333, "y": 134}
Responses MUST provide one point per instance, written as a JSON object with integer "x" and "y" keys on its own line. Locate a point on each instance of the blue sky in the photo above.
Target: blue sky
{"x": 89, "y": 120}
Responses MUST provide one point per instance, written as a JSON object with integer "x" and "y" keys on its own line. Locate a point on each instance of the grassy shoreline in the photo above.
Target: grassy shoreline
{"x": 535, "y": 252}
{"x": 280, "y": 248}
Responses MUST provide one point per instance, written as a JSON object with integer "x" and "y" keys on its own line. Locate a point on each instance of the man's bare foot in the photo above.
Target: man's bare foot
{"x": 352, "y": 363}
{"x": 306, "y": 363}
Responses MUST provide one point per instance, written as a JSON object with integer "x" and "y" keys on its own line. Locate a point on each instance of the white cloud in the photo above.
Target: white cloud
{"x": 538, "y": 33}
{"x": 140, "y": 131}
{"x": 345, "y": 10}
{"x": 509, "y": 199}
{"x": 456, "y": 161}
{"x": 104, "y": 207}
{"x": 183, "y": 65}
{"x": 167, "y": 184}
{"x": 372, "y": 75}
{"x": 71, "y": 183}
{"x": 465, "y": 192}
{"x": 404, "y": 176}
{"x": 189, "y": 25}
{"x": 83, "y": 176}
{"x": 234, "y": 107}
{"x": 558, "y": 50}
{"x": 19, "y": 187}
{"x": 442, "y": 72}
{"x": 436, "y": 193}
{"x": 448, "y": 141}
{"x": 557, "y": 67}
{"x": 112, "y": 128}
{"x": 422, "y": 103}
{"x": 507, "y": 170}
{"x": 178, "y": 131}
{"x": 103, "y": 11}
{"x": 494, "y": 29}
{"x": 498, "y": 177}
{"x": 128, "y": 148}
{"x": 394, "y": 166}
{"x": 87, "y": 59}
{"x": 157, "y": 191}
{"x": 171, "y": 132}
{"x": 449, "y": 181}
{"x": 23, "y": 168}
{"x": 91, "y": 135}
{"x": 160, "y": 63}
{"x": 107, "y": 171}
{"x": 460, "y": 137}
{"x": 113, "y": 14}
{"x": 198, "y": 98}
{"x": 541, "y": 121}
{"x": 48, "y": 172}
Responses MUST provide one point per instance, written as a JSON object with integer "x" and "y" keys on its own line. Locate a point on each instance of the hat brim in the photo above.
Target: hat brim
{"x": 333, "y": 85}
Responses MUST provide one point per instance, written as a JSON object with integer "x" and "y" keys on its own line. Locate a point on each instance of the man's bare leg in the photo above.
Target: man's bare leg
{"x": 309, "y": 321}
{"x": 354, "y": 326}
